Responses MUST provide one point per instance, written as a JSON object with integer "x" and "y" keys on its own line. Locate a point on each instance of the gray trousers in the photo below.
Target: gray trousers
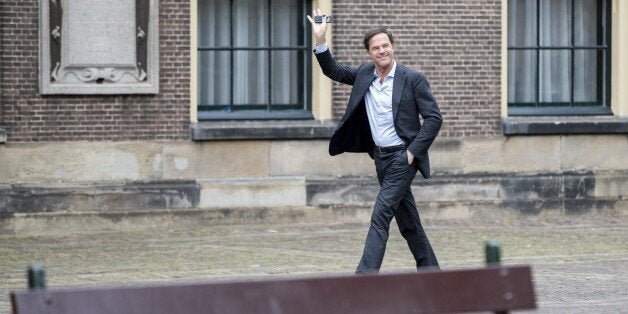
{"x": 395, "y": 199}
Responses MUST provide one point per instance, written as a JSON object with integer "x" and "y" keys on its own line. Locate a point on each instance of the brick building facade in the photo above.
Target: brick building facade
{"x": 456, "y": 44}
{"x": 31, "y": 117}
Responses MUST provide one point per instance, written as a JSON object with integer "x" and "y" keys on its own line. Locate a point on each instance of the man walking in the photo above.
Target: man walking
{"x": 382, "y": 119}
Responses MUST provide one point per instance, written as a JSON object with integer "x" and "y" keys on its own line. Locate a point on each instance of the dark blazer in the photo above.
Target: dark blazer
{"x": 412, "y": 96}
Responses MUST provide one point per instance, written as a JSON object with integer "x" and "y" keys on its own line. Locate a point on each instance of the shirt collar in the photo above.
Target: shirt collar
{"x": 392, "y": 71}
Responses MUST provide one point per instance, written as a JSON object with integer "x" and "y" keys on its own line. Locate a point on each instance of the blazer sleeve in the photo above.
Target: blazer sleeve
{"x": 432, "y": 118}
{"x": 334, "y": 70}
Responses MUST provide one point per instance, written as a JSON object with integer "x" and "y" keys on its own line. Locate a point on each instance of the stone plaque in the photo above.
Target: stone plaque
{"x": 99, "y": 47}
{"x": 100, "y": 32}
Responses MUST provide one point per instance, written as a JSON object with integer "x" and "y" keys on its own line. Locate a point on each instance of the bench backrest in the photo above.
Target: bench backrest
{"x": 494, "y": 288}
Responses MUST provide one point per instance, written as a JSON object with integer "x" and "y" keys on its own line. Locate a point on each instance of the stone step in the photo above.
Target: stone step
{"x": 97, "y": 196}
{"x": 531, "y": 194}
{"x": 66, "y": 223}
{"x": 252, "y": 192}
{"x": 124, "y": 205}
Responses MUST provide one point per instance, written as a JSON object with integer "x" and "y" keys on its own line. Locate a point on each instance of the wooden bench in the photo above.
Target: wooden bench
{"x": 494, "y": 288}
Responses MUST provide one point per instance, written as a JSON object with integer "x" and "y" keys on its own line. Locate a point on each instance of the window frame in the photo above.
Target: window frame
{"x": 305, "y": 69}
{"x": 570, "y": 109}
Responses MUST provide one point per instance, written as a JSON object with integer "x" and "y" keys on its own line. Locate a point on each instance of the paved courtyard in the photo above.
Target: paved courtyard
{"x": 580, "y": 263}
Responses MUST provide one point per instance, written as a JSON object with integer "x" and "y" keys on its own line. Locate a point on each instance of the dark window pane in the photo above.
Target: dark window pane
{"x": 238, "y": 74}
{"x": 286, "y": 78}
{"x": 522, "y": 76}
{"x": 250, "y": 77}
{"x": 587, "y": 75}
{"x": 214, "y": 20}
{"x": 555, "y": 23}
{"x": 554, "y": 76}
{"x": 522, "y": 23}
{"x": 286, "y": 25}
{"x": 214, "y": 78}
{"x": 570, "y": 74}
{"x": 587, "y": 26}
{"x": 251, "y": 23}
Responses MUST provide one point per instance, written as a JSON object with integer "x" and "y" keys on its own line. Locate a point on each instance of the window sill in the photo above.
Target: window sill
{"x": 565, "y": 125}
{"x": 261, "y": 130}
{"x": 255, "y": 115}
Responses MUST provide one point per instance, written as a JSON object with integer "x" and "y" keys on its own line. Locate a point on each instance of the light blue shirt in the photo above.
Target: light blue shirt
{"x": 379, "y": 110}
{"x": 379, "y": 107}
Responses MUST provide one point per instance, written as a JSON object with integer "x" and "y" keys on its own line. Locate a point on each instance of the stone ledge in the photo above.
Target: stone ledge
{"x": 252, "y": 192}
{"x": 568, "y": 193}
{"x": 97, "y": 196}
{"x": 564, "y": 125}
{"x": 463, "y": 194}
{"x": 262, "y": 130}
{"x": 64, "y": 223}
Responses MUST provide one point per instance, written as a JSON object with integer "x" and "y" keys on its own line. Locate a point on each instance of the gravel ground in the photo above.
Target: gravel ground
{"x": 580, "y": 263}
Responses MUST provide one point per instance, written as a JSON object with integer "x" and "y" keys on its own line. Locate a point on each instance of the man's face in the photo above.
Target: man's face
{"x": 381, "y": 51}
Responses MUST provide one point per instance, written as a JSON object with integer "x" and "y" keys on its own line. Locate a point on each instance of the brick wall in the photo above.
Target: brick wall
{"x": 30, "y": 117}
{"x": 455, "y": 43}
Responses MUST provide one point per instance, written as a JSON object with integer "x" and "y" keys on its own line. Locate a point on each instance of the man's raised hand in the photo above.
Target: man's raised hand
{"x": 318, "y": 29}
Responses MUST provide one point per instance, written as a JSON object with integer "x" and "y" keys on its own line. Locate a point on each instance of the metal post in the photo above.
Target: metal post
{"x": 493, "y": 252}
{"x": 36, "y": 277}
{"x": 493, "y": 258}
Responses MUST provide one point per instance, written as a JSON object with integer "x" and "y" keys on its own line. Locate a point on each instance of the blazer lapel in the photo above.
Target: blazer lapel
{"x": 359, "y": 88}
{"x": 398, "y": 85}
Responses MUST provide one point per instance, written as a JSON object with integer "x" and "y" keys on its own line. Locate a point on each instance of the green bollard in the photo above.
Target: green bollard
{"x": 493, "y": 252}
{"x": 493, "y": 258}
{"x": 36, "y": 277}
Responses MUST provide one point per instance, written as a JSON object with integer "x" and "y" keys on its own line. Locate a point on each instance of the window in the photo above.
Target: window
{"x": 558, "y": 57}
{"x": 254, "y": 59}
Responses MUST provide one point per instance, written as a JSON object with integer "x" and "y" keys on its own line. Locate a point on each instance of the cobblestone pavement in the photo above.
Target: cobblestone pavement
{"x": 580, "y": 264}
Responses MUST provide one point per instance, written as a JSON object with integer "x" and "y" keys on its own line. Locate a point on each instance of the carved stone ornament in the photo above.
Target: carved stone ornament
{"x": 99, "y": 47}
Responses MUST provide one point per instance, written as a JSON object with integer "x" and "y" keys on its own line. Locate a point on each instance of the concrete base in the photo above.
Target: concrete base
{"x": 565, "y": 192}
{"x": 64, "y": 223}
{"x": 472, "y": 177}
{"x": 153, "y": 161}
{"x": 466, "y": 194}
{"x": 101, "y": 207}
{"x": 97, "y": 196}
{"x": 252, "y": 192}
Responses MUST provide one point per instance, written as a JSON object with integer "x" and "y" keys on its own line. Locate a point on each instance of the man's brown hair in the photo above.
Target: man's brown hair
{"x": 374, "y": 31}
